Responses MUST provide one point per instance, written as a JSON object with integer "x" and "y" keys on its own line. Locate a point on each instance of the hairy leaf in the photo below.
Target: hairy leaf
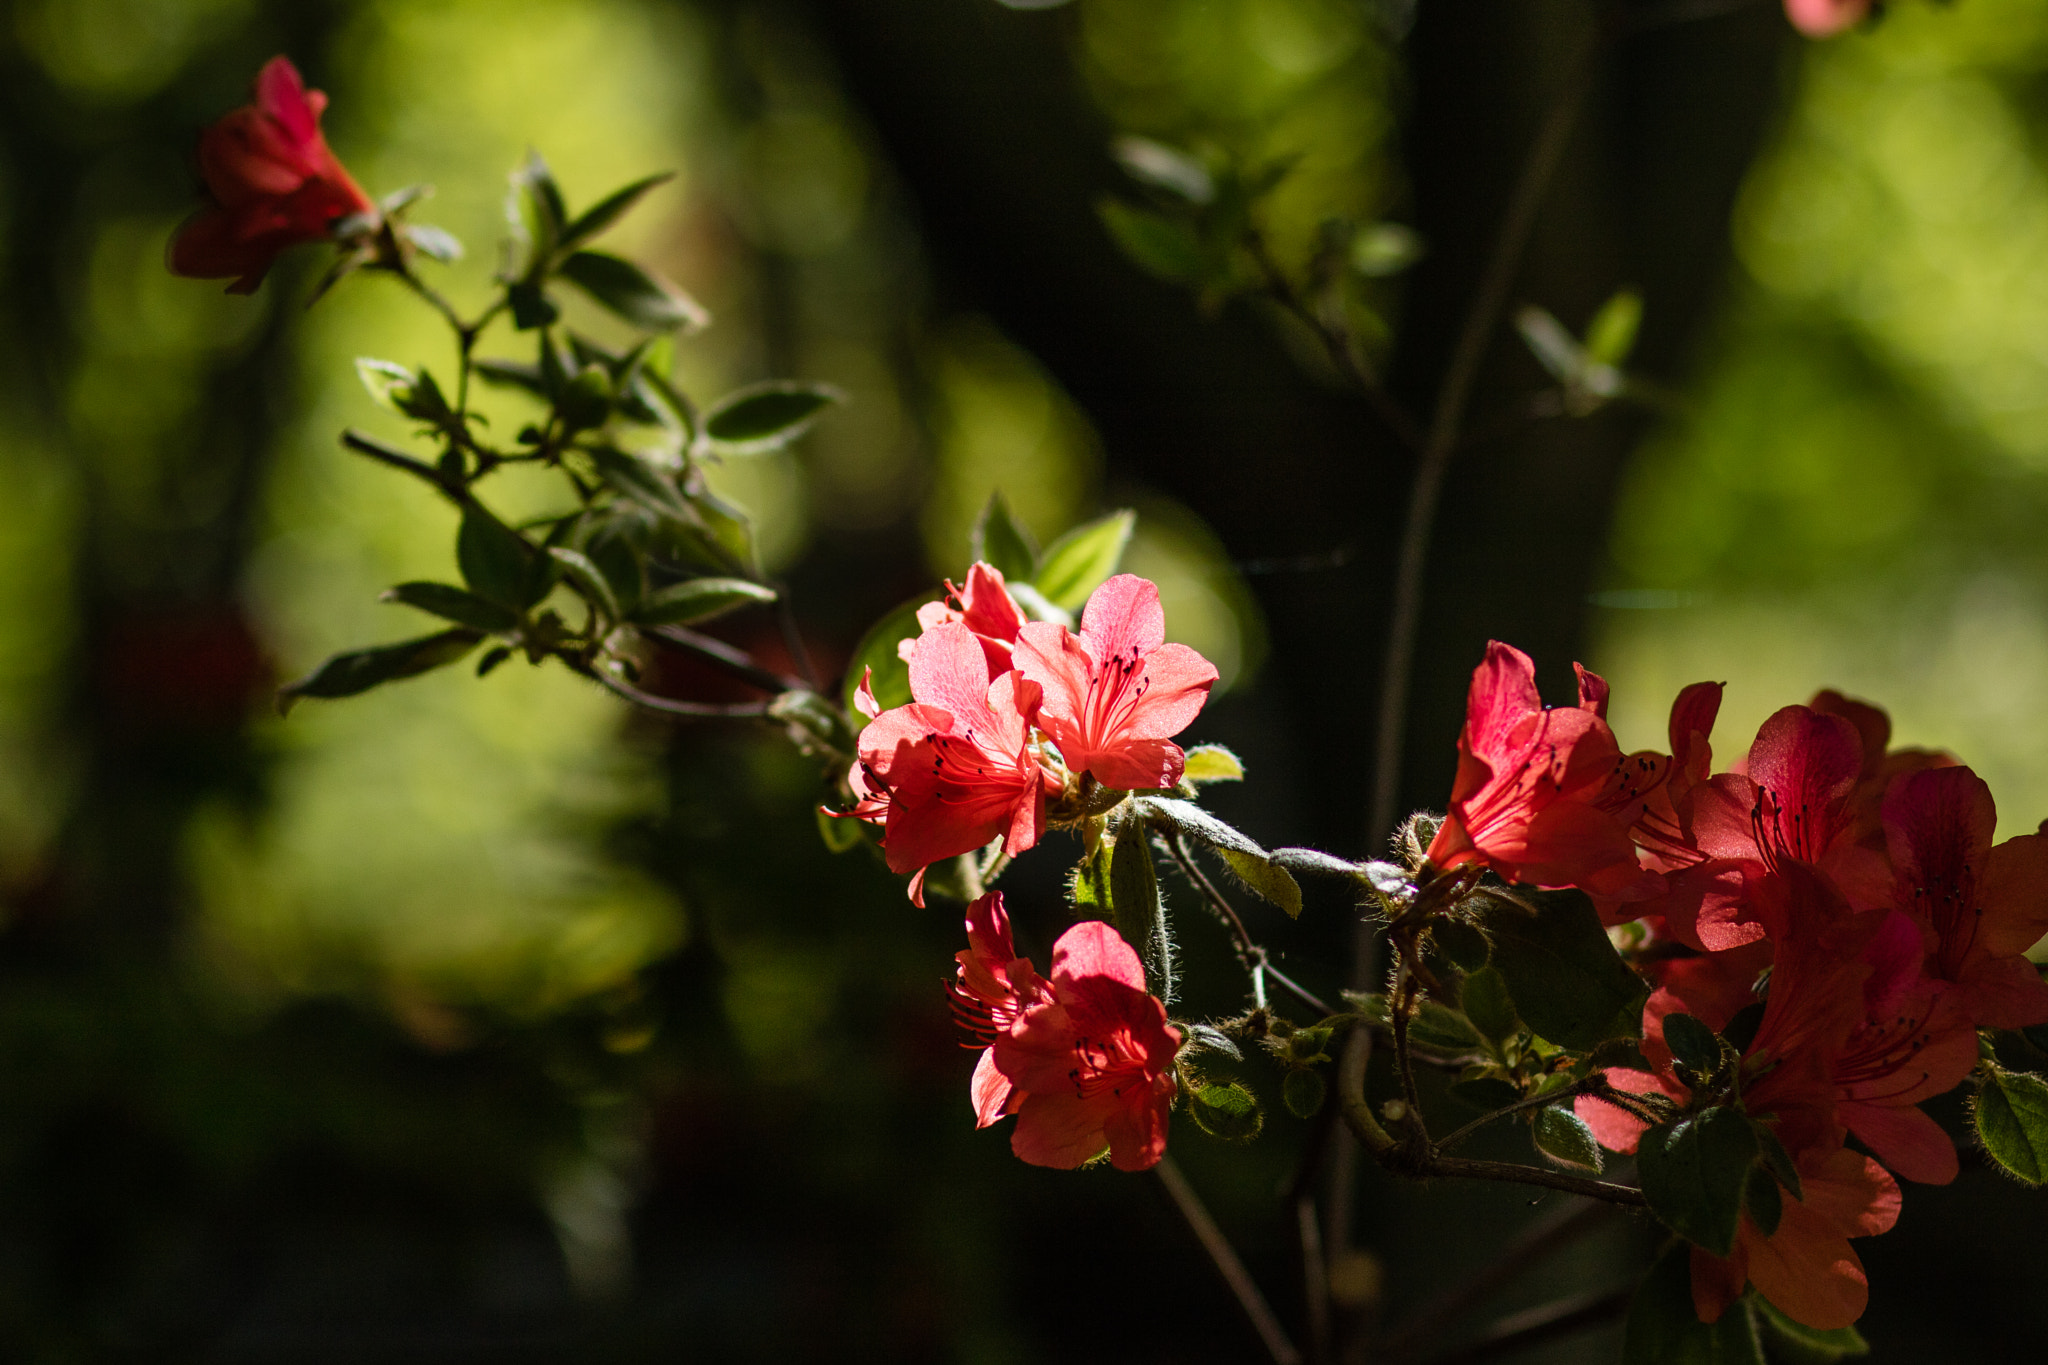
{"x": 1140, "y": 914}
{"x": 1226, "y": 1111}
{"x": 1694, "y": 1173}
{"x": 2012, "y": 1123}
{"x": 1564, "y": 1137}
{"x": 1487, "y": 1004}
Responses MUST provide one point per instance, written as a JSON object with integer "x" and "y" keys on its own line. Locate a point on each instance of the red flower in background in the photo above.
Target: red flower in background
{"x": 1094, "y": 1062}
{"x": 272, "y": 181}
{"x": 955, "y": 768}
{"x": 1980, "y": 907}
{"x": 1116, "y": 693}
{"x": 984, "y": 606}
{"x": 1544, "y": 795}
{"x": 1825, "y": 18}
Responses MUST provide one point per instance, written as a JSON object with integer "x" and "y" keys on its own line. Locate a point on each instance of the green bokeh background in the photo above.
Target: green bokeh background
{"x": 482, "y": 1020}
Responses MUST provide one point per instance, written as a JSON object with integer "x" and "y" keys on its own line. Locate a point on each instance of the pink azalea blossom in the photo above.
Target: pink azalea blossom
{"x": 984, "y": 606}
{"x": 1825, "y": 18}
{"x": 1116, "y": 693}
{"x": 991, "y": 990}
{"x": 957, "y": 767}
{"x": 1544, "y": 795}
{"x": 1094, "y": 1062}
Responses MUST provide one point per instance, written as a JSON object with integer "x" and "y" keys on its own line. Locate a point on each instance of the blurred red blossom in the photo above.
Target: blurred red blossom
{"x": 272, "y": 183}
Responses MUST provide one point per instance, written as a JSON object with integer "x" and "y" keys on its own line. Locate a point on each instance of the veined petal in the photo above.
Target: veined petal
{"x": 1808, "y": 1270}
{"x": 1122, "y": 617}
{"x": 1904, "y": 1139}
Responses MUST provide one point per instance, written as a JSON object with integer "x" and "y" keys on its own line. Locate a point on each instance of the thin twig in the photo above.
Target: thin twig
{"x": 1527, "y": 1102}
{"x": 1315, "y": 1275}
{"x": 1341, "y": 346}
{"x": 1519, "y": 1331}
{"x": 672, "y": 707}
{"x": 1423, "y": 496}
{"x": 1254, "y": 957}
{"x": 735, "y": 661}
{"x": 1283, "y": 1351}
{"x": 1452, "y": 1306}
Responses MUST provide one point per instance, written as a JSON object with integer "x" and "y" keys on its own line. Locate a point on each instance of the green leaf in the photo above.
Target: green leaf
{"x": 2012, "y": 1123}
{"x": 1074, "y": 566}
{"x": 453, "y": 604}
{"x": 1564, "y": 1137}
{"x": 1693, "y": 1045}
{"x": 1001, "y": 541}
{"x": 497, "y": 562}
{"x": 1612, "y": 333}
{"x": 1167, "y": 247}
{"x": 1807, "y": 1345}
{"x": 1265, "y": 877}
{"x": 345, "y": 675}
{"x": 644, "y": 484}
{"x": 1208, "y": 763}
{"x": 1303, "y": 1092}
{"x": 1694, "y": 1173}
{"x": 1164, "y": 168}
{"x": 494, "y": 656}
{"x": 877, "y": 651}
{"x": 1567, "y": 982}
{"x": 436, "y": 243}
{"x": 767, "y": 416}
{"x": 544, "y": 216}
{"x": 1487, "y": 1004}
{"x": 699, "y": 599}
{"x": 815, "y": 726}
{"x": 1665, "y": 1329}
{"x": 1089, "y": 884}
{"x": 1552, "y": 344}
{"x": 531, "y": 307}
{"x": 610, "y": 209}
{"x": 587, "y": 400}
{"x": 1762, "y": 1201}
{"x": 1226, "y": 1111}
{"x": 1200, "y": 1036}
{"x": 1140, "y": 914}
{"x": 1464, "y": 945}
{"x": 386, "y": 380}
{"x": 1440, "y": 1028}
{"x": 509, "y": 374}
{"x": 1191, "y": 820}
{"x": 1315, "y": 862}
{"x": 639, "y": 296}
{"x": 1385, "y": 249}
{"x": 587, "y": 579}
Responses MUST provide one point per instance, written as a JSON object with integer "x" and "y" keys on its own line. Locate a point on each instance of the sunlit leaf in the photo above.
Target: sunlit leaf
{"x": 639, "y": 296}
{"x": 1000, "y": 540}
{"x": 767, "y": 416}
{"x": 1564, "y": 1137}
{"x": 610, "y": 209}
{"x": 1076, "y": 564}
{"x": 1226, "y": 1111}
{"x": 453, "y": 604}
{"x": 699, "y": 599}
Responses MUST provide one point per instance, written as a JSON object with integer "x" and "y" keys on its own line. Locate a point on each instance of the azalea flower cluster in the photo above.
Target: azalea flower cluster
{"x": 1017, "y": 725}
{"x": 1833, "y": 908}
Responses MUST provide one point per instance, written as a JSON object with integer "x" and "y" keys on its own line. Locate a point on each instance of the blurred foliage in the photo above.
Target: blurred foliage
{"x": 1855, "y": 498}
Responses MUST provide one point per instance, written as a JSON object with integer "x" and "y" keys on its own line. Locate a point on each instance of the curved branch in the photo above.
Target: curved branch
{"x": 669, "y": 706}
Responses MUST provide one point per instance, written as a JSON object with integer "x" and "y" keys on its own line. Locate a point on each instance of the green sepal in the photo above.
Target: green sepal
{"x": 1140, "y": 913}
{"x": 1089, "y": 883}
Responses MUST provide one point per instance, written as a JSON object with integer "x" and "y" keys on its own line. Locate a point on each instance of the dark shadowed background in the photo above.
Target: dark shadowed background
{"x": 479, "y": 1021}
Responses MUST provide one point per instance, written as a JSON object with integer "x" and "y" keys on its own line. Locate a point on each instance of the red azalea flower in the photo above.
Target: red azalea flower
{"x": 1980, "y": 907}
{"x": 1095, "y": 1062}
{"x": 955, "y": 768}
{"x": 991, "y": 991}
{"x": 1541, "y": 792}
{"x": 985, "y": 607}
{"x": 1825, "y": 18}
{"x": 272, "y": 182}
{"x": 1116, "y": 693}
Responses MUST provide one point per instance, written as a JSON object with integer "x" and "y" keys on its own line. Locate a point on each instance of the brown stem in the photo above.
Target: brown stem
{"x": 1452, "y": 1306}
{"x": 1338, "y": 342}
{"x": 669, "y": 706}
{"x": 1283, "y": 1351}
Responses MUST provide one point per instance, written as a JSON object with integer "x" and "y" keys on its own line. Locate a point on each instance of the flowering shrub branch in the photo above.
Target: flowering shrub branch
{"x": 1742, "y": 985}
